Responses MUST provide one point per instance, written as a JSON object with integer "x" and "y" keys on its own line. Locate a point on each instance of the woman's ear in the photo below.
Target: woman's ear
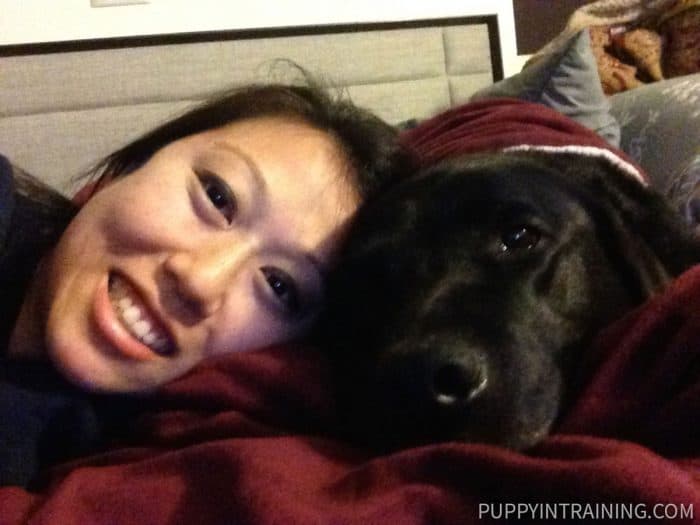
{"x": 86, "y": 191}
{"x": 110, "y": 171}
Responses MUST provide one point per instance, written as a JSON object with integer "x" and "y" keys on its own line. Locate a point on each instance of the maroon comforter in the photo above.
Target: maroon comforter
{"x": 249, "y": 439}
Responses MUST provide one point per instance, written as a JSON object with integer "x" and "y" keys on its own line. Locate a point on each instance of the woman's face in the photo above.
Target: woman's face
{"x": 217, "y": 244}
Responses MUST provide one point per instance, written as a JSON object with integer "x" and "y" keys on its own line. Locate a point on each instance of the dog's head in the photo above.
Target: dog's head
{"x": 466, "y": 293}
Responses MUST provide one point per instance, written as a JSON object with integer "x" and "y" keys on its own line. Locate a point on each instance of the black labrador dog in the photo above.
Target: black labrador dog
{"x": 467, "y": 293}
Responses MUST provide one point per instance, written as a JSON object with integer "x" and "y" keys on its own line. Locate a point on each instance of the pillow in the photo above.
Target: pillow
{"x": 567, "y": 81}
{"x": 683, "y": 190}
{"x": 690, "y": 192}
{"x": 660, "y": 125}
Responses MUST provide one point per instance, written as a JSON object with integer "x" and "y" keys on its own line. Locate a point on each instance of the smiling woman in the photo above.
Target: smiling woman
{"x": 202, "y": 250}
{"x": 211, "y": 234}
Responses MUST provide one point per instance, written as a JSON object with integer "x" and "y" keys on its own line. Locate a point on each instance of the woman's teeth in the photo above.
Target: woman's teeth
{"x": 134, "y": 316}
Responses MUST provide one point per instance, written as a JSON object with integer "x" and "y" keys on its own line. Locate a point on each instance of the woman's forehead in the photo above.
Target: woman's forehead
{"x": 270, "y": 127}
{"x": 289, "y": 148}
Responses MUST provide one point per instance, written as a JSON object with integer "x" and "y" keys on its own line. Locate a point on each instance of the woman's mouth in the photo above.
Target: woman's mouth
{"x": 136, "y": 317}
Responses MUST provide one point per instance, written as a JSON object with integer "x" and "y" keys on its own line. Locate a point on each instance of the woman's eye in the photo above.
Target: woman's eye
{"x": 220, "y": 195}
{"x": 520, "y": 238}
{"x": 284, "y": 288}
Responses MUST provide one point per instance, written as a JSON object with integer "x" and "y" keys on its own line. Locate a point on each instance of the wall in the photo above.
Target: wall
{"x": 538, "y": 21}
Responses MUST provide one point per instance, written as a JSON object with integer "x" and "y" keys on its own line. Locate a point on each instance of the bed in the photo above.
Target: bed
{"x": 249, "y": 438}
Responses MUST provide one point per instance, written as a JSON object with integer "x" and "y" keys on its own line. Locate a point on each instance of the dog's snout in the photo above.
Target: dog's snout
{"x": 457, "y": 382}
{"x": 435, "y": 376}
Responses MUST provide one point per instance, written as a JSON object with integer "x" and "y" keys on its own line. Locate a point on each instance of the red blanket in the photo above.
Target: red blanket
{"x": 245, "y": 440}
{"x": 249, "y": 439}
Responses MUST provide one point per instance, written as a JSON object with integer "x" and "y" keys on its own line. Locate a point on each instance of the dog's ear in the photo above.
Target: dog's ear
{"x": 644, "y": 234}
{"x": 641, "y": 262}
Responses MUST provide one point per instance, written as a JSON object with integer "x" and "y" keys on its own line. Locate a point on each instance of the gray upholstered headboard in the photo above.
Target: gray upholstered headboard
{"x": 64, "y": 107}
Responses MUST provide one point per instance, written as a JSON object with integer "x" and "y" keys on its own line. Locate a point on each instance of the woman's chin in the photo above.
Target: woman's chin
{"x": 89, "y": 366}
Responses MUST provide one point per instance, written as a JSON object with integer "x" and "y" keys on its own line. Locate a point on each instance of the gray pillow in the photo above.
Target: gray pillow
{"x": 661, "y": 132}
{"x": 565, "y": 80}
{"x": 688, "y": 194}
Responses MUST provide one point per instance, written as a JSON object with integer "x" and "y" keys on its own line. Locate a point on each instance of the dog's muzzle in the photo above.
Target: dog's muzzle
{"x": 436, "y": 374}
{"x": 447, "y": 388}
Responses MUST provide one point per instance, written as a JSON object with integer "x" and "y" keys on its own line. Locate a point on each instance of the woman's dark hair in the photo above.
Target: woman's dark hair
{"x": 369, "y": 143}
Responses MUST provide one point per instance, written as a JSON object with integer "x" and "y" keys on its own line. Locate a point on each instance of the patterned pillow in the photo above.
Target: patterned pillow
{"x": 566, "y": 80}
{"x": 685, "y": 192}
{"x": 661, "y": 131}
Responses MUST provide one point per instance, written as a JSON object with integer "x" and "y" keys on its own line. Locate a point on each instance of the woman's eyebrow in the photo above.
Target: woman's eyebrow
{"x": 256, "y": 175}
{"x": 261, "y": 185}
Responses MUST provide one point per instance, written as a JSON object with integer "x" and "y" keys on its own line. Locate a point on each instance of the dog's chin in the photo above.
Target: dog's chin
{"x": 387, "y": 431}
{"x": 523, "y": 441}
{"x": 391, "y": 441}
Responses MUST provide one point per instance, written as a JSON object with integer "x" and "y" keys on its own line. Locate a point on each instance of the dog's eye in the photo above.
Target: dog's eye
{"x": 520, "y": 238}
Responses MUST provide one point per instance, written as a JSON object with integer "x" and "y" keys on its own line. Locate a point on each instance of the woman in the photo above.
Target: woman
{"x": 210, "y": 234}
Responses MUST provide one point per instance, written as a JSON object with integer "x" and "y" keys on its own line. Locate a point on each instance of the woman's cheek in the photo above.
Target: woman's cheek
{"x": 254, "y": 326}
{"x": 244, "y": 323}
{"x": 133, "y": 223}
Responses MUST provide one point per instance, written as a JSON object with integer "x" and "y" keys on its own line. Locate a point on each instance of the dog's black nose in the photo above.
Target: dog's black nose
{"x": 431, "y": 378}
{"x": 457, "y": 381}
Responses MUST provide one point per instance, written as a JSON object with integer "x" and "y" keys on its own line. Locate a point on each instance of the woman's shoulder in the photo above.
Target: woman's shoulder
{"x": 38, "y": 194}
{"x": 16, "y": 183}
{"x": 7, "y": 192}
{"x": 32, "y": 218}
{"x": 29, "y": 205}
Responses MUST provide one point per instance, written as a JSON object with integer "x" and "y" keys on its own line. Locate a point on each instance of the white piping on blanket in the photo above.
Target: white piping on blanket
{"x": 589, "y": 151}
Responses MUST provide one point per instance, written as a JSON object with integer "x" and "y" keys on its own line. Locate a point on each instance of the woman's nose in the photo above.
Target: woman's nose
{"x": 197, "y": 282}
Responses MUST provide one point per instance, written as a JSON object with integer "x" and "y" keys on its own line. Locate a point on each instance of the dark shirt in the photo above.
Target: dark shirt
{"x": 32, "y": 217}
{"x": 43, "y": 419}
